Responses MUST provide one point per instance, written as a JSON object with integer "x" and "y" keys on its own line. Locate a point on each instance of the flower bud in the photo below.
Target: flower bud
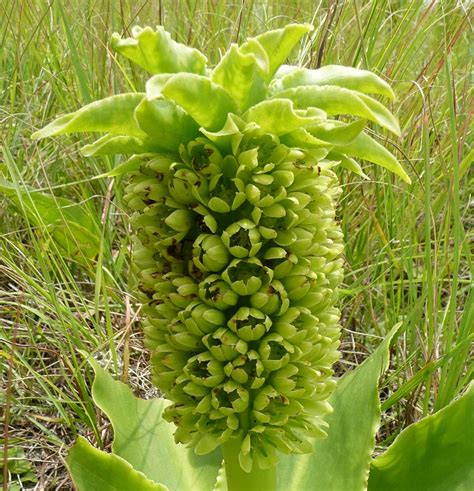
{"x": 242, "y": 239}
{"x": 249, "y": 324}
{"x": 209, "y": 253}
{"x": 216, "y": 293}
{"x": 245, "y": 277}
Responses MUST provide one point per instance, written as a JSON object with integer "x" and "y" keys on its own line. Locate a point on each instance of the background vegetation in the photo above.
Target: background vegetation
{"x": 64, "y": 290}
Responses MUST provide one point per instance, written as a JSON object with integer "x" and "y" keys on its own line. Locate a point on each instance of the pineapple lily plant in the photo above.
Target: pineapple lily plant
{"x": 237, "y": 255}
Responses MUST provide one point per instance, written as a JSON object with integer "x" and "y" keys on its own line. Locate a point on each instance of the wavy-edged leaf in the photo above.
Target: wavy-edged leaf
{"x": 121, "y": 145}
{"x": 342, "y": 460}
{"x": 207, "y": 103}
{"x": 94, "y": 470}
{"x": 342, "y": 76}
{"x": 336, "y": 100}
{"x": 230, "y": 133}
{"x": 365, "y": 147}
{"x": 279, "y": 43}
{"x": 166, "y": 123}
{"x": 111, "y": 115}
{"x": 156, "y": 52}
{"x": 221, "y": 480}
{"x": 70, "y": 225}
{"x": 144, "y": 439}
{"x": 155, "y": 84}
{"x": 240, "y": 74}
{"x": 279, "y": 116}
{"x": 435, "y": 453}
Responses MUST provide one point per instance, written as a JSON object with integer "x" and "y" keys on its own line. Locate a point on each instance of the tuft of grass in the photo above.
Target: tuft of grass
{"x": 408, "y": 254}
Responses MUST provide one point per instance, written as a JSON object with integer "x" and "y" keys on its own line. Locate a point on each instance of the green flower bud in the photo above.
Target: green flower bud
{"x": 204, "y": 369}
{"x": 215, "y": 292}
{"x": 200, "y": 319}
{"x": 249, "y": 323}
{"x": 275, "y": 352}
{"x": 224, "y": 344}
{"x": 180, "y": 338}
{"x": 242, "y": 239}
{"x": 246, "y": 277}
{"x": 209, "y": 253}
{"x": 229, "y": 398}
{"x": 247, "y": 370}
{"x": 271, "y": 299}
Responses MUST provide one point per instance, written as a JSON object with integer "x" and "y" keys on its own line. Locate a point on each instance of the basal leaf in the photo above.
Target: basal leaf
{"x": 240, "y": 74}
{"x": 145, "y": 440}
{"x": 94, "y": 470}
{"x": 278, "y": 116}
{"x": 167, "y": 124}
{"x": 206, "y": 102}
{"x": 341, "y": 76}
{"x": 365, "y": 147}
{"x": 342, "y": 460}
{"x": 125, "y": 145}
{"x": 435, "y": 453}
{"x": 112, "y": 115}
{"x": 279, "y": 43}
{"x": 336, "y": 100}
{"x": 156, "y": 52}
{"x": 69, "y": 224}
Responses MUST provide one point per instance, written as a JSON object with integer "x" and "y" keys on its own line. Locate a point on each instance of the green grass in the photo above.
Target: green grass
{"x": 408, "y": 255}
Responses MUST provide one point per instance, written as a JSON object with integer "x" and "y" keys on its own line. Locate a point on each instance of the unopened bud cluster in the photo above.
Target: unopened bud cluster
{"x": 238, "y": 259}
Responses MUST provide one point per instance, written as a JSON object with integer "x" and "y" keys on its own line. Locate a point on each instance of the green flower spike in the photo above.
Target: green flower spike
{"x": 237, "y": 250}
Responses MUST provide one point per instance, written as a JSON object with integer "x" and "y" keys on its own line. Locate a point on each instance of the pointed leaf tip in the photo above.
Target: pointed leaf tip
{"x": 113, "y": 114}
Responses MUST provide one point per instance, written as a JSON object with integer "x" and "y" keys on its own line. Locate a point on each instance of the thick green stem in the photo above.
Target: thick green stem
{"x": 239, "y": 480}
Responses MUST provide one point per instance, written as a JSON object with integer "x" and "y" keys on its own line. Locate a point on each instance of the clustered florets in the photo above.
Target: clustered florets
{"x": 238, "y": 259}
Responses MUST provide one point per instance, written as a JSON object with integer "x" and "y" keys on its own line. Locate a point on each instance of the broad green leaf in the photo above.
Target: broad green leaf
{"x": 341, "y": 76}
{"x": 278, "y": 116}
{"x": 279, "y": 43}
{"x": 166, "y": 123}
{"x": 342, "y": 460}
{"x": 435, "y": 453}
{"x": 206, "y": 102}
{"x": 125, "y": 145}
{"x": 112, "y": 115}
{"x": 336, "y": 100}
{"x": 365, "y": 147}
{"x": 240, "y": 74}
{"x": 156, "y": 52}
{"x": 94, "y": 470}
{"x": 145, "y": 440}
{"x": 69, "y": 224}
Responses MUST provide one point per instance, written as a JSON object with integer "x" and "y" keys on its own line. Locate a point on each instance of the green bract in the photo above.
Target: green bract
{"x": 237, "y": 248}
